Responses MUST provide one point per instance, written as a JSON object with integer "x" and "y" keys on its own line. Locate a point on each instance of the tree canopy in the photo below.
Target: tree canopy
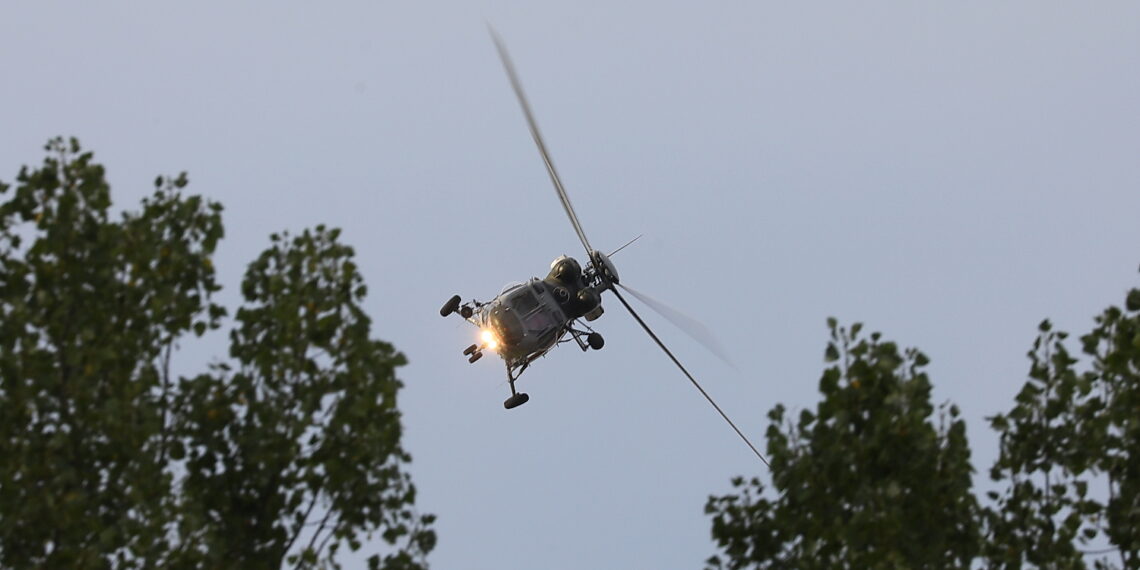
{"x": 1070, "y": 433}
{"x": 284, "y": 453}
{"x": 870, "y": 481}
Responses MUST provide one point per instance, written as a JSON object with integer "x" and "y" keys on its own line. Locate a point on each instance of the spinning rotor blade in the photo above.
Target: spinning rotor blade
{"x": 538, "y": 140}
{"x": 689, "y": 376}
{"x": 687, "y": 324}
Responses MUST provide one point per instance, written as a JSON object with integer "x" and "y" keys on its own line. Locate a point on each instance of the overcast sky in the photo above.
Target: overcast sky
{"x": 948, "y": 173}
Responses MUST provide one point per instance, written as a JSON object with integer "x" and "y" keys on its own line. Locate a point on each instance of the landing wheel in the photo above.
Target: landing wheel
{"x": 595, "y": 340}
{"x": 467, "y": 351}
{"x": 466, "y": 312}
{"x": 475, "y": 357}
{"x": 516, "y": 400}
{"x": 450, "y": 307}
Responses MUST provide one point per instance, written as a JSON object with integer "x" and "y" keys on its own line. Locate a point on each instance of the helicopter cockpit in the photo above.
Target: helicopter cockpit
{"x": 526, "y": 318}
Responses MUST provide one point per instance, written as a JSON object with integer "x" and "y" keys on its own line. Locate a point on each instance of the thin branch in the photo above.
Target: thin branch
{"x": 304, "y": 520}
{"x": 1101, "y": 551}
{"x": 164, "y": 435}
{"x": 324, "y": 542}
{"x": 320, "y": 529}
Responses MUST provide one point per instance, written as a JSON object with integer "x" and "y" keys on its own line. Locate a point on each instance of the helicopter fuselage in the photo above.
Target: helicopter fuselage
{"x": 524, "y": 320}
{"x": 528, "y": 319}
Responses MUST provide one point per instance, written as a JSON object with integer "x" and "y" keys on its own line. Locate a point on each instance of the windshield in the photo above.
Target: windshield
{"x": 521, "y": 314}
{"x": 538, "y": 322}
{"x": 507, "y": 325}
{"x": 522, "y": 300}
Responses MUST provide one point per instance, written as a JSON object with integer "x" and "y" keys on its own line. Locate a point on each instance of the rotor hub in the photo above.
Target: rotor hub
{"x": 603, "y": 269}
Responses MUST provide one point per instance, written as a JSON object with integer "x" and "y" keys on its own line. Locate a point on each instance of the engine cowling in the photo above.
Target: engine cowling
{"x": 568, "y": 271}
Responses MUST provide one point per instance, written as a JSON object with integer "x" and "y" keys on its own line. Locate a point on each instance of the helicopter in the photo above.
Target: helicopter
{"x": 527, "y": 320}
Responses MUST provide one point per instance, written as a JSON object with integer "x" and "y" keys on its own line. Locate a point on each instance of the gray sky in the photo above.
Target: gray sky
{"x": 948, "y": 174}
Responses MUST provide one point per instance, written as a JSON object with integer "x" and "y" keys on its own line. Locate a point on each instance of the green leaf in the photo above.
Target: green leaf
{"x": 177, "y": 451}
{"x": 1132, "y": 302}
{"x": 831, "y": 354}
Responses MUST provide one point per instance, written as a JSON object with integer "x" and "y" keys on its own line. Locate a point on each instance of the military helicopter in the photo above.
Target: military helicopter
{"x": 526, "y": 320}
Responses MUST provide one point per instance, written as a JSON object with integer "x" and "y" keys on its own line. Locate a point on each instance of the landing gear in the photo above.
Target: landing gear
{"x": 451, "y": 306}
{"x": 585, "y": 339}
{"x": 516, "y": 400}
{"x": 475, "y": 357}
{"x": 467, "y": 351}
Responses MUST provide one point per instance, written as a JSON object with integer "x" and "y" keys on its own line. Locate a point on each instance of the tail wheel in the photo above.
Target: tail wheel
{"x": 595, "y": 341}
{"x": 450, "y": 306}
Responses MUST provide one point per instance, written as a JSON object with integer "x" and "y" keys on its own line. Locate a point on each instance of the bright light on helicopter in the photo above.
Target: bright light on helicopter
{"x": 489, "y": 340}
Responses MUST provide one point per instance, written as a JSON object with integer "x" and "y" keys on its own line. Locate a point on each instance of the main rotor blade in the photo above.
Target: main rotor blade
{"x": 689, "y": 376}
{"x": 538, "y": 139}
{"x": 687, "y": 324}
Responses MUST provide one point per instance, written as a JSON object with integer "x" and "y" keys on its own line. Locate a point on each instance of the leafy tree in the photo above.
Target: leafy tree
{"x": 87, "y": 308}
{"x": 306, "y": 433}
{"x": 108, "y": 460}
{"x": 866, "y": 481}
{"x": 1067, "y": 431}
{"x": 1050, "y": 441}
{"x": 1114, "y": 345}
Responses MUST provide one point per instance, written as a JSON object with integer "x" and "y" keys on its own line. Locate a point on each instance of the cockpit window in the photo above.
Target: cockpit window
{"x": 507, "y": 325}
{"x": 521, "y": 314}
{"x": 538, "y": 321}
{"x": 523, "y": 301}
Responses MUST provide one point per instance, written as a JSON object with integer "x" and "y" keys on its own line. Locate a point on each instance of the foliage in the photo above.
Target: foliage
{"x": 87, "y": 306}
{"x": 1049, "y": 445}
{"x": 109, "y": 461}
{"x": 866, "y": 481}
{"x": 1114, "y": 346}
{"x": 1069, "y": 431}
{"x": 307, "y": 433}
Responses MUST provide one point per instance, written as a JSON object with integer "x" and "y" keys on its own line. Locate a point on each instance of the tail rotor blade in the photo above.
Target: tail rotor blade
{"x": 687, "y": 375}
{"x": 687, "y": 324}
{"x": 510, "y": 67}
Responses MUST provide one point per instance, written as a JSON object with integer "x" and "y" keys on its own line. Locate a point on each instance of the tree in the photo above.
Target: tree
{"x": 283, "y": 456}
{"x": 1067, "y": 431}
{"x": 307, "y": 433}
{"x": 1049, "y": 444}
{"x": 866, "y": 481}
{"x": 1114, "y": 346}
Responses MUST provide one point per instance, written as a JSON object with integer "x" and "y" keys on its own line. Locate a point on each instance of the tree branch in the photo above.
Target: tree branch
{"x": 325, "y": 542}
{"x": 163, "y": 436}
{"x": 320, "y": 529}
{"x": 304, "y": 520}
